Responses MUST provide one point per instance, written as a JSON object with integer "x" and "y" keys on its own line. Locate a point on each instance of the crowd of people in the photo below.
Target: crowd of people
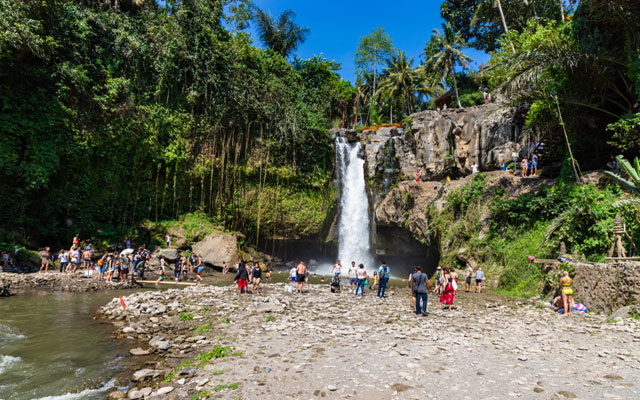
{"x": 248, "y": 273}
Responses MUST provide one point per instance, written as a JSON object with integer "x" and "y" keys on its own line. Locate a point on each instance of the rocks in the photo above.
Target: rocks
{"x": 217, "y": 248}
{"x": 160, "y": 343}
{"x": 144, "y": 374}
{"x": 332, "y": 388}
{"x": 138, "y": 352}
{"x": 171, "y": 255}
{"x": 59, "y": 282}
{"x": 117, "y": 395}
{"x": 165, "y": 390}
{"x": 624, "y": 312}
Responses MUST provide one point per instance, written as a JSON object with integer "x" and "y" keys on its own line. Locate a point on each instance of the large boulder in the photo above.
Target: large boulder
{"x": 217, "y": 248}
{"x": 171, "y": 255}
{"x": 178, "y": 237}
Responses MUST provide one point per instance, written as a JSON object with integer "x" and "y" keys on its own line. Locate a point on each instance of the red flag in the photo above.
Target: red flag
{"x": 124, "y": 306}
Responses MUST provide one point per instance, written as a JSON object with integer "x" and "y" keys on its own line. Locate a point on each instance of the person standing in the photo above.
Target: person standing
{"x": 352, "y": 277}
{"x": 45, "y": 258}
{"x": 534, "y": 165}
{"x": 86, "y": 260}
{"x": 292, "y": 274}
{"x": 361, "y": 276}
{"x": 524, "y": 165}
{"x": 301, "y": 272}
{"x": 242, "y": 277}
{"x": 566, "y": 292}
{"x": 337, "y": 269}
{"x": 199, "y": 268}
{"x": 177, "y": 268}
{"x": 256, "y": 276}
{"x": 225, "y": 268}
{"x": 448, "y": 293}
{"x": 479, "y": 280}
{"x": 375, "y": 281}
{"x": 64, "y": 260}
{"x": 420, "y": 285}
{"x": 467, "y": 282}
{"x": 168, "y": 240}
{"x": 410, "y": 283}
{"x": 384, "y": 272}
{"x": 162, "y": 271}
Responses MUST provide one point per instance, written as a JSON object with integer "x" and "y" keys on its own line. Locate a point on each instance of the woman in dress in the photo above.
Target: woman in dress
{"x": 448, "y": 292}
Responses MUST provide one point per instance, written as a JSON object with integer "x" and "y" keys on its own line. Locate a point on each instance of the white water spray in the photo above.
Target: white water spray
{"x": 353, "y": 230}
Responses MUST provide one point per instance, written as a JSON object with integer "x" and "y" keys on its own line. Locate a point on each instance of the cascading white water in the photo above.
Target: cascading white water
{"x": 353, "y": 229}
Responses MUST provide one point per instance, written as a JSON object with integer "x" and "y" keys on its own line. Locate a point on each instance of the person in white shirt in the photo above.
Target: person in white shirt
{"x": 468, "y": 280}
{"x": 337, "y": 268}
{"x": 63, "y": 257}
{"x": 352, "y": 276}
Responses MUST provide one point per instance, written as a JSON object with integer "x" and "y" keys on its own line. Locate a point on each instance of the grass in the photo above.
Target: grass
{"x": 270, "y": 318}
{"x": 218, "y": 372}
{"x": 203, "y": 328}
{"x": 633, "y": 313}
{"x": 185, "y": 316}
{"x": 200, "y": 395}
{"x": 216, "y": 352}
{"x": 232, "y": 386}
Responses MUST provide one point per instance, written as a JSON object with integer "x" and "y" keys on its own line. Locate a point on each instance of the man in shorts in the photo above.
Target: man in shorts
{"x": 337, "y": 269}
{"x": 86, "y": 259}
{"x": 301, "y": 272}
{"x": 352, "y": 277}
{"x": 64, "y": 260}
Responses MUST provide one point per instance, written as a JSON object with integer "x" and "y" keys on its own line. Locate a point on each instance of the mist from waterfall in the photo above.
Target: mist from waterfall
{"x": 353, "y": 229}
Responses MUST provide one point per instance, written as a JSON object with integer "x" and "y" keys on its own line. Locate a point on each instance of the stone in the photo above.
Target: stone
{"x": 171, "y": 255}
{"x": 217, "y": 248}
{"x": 117, "y": 395}
{"x": 165, "y": 390}
{"x": 138, "y": 352}
{"x": 145, "y": 391}
{"x": 332, "y": 388}
{"x": 566, "y": 394}
{"x": 623, "y": 313}
{"x": 144, "y": 374}
{"x": 128, "y": 329}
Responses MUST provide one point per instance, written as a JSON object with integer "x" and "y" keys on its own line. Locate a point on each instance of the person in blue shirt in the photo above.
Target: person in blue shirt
{"x": 384, "y": 272}
{"x": 534, "y": 164}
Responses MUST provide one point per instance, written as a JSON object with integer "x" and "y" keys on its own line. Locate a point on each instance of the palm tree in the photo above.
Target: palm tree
{"x": 493, "y": 3}
{"x": 449, "y": 44}
{"x": 282, "y": 34}
{"x": 401, "y": 80}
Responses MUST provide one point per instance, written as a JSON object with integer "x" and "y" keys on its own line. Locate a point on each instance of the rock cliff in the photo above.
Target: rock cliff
{"x": 442, "y": 143}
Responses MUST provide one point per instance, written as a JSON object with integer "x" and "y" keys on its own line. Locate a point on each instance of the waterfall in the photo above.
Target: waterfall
{"x": 353, "y": 229}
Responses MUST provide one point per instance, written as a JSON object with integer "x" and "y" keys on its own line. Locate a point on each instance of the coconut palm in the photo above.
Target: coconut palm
{"x": 282, "y": 34}
{"x": 401, "y": 80}
{"x": 448, "y": 46}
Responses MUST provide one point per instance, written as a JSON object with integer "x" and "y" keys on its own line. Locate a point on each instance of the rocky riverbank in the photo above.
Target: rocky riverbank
{"x": 58, "y": 282}
{"x": 213, "y": 343}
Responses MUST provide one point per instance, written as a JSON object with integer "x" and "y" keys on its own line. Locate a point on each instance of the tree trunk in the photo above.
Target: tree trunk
{"x": 561, "y": 10}
{"x": 455, "y": 83}
{"x": 391, "y": 113}
{"x": 356, "y": 120}
{"x": 504, "y": 24}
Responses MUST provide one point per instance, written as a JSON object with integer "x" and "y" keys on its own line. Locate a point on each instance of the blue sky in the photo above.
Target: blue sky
{"x": 336, "y": 26}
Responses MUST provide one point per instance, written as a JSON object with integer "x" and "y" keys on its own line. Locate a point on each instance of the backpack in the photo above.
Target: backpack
{"x": 386, "y": 273}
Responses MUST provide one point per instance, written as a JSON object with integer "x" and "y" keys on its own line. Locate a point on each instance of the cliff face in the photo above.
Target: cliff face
{"x": 443, "y": 143}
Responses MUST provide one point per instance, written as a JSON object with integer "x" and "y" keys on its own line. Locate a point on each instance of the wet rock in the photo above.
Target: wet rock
{"x": 138, "y": 352}
{"x": 144, "y": 374}
{"x": 117, "y": 395}
{"x": 165, "y": 390}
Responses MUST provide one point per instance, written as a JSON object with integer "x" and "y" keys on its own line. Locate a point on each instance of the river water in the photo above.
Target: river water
{"x": 51, "y": 348}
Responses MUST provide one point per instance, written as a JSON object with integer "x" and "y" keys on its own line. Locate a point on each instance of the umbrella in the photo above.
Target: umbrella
{"x": 126, "y": 252}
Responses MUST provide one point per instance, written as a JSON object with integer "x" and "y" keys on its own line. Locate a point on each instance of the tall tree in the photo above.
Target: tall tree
{"x": 401, "y": 80}
{"x": 282, "y": 34}
{"x": 374, "y": 49}
{"x": 449, "y": 44}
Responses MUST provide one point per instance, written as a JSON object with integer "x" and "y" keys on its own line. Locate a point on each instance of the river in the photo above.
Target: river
{"x": 52, "y": 348}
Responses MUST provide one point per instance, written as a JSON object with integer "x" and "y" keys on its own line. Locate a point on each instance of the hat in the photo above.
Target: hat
{"x": 439, "y": 267}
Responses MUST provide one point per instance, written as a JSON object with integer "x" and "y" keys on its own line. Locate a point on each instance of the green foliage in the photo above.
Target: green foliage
{"x": 203, "y": 328}
{"x": 282, "y": 34}
{"x": 632, "y": 171}
{"x": 270, "y": 318}
{"x": 114, "y": 116}
{"x": 215, "y": 353}
{"x": 374, "y": 50}
{"x": 232, "y": 386}
{"x": 200, "y": 395}
{"x": 185, "y": 316}
{"x": 626, "y": 132}
{"x": 460, "y": 200}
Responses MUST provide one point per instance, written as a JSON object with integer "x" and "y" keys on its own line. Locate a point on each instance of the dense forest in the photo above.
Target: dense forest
{"x": 115, "y": 112}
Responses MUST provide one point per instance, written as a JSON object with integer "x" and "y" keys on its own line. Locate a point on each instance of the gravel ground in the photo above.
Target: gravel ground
{"x": 327, "y": 345}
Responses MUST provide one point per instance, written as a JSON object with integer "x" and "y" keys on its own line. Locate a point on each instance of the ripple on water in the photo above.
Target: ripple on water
{"x": 8, "y": 334}
{"x": 7, "y": 362}
{"x": 85, "y": 394}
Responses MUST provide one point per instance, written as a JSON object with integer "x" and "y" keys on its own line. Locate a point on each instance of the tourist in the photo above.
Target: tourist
{"x": 124, "y": 270}
{"x": 63, "y": 257}
{"x": 45, "y": 259}
{"x": 268, "y": 275}
{"x": 361, "y": 276}
{"x": 454, "y": 280}
{"x": 199, "y": 267}
{"x": 534, "y": 165}
{"x": 448, "y": 293}
{"x": 4, "y": 259}
{"x": 375, "y": 281}
{"x": 76, "y": 241}
{"x": 352, "y": 277}
{"x": 525, "y": 165}
{"x": 108, "y": 271}
{"x": 162, "y": 271}
{"x": 292, "y": 274}
{"x": 479, "y": 280}
{"x": 467, "y": 282}
{"x": 566, "y": 292}
{"x": 474, "y": 169}
{"x": 167, "y": 239}
{"x": 256, "y": 276}
{"x": 225, "y": 268}
{"x": 612, "y": 164}
{"x": 86, "y": 260}
{"x": 242, "y": 277}
{"x": 177, "y": 268}
{"x": 410, "y": 284}
{"x": 384, "y": 272}
{"x": 419, "y": 175}
{"x": 337, "y": 268}
{"x": 438, "y": 288}
{"x": 301, "y": 272}
{"x": 102, "y": 264}
{"x": 420, "y": 284}
{"x": 75, "y": 260}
